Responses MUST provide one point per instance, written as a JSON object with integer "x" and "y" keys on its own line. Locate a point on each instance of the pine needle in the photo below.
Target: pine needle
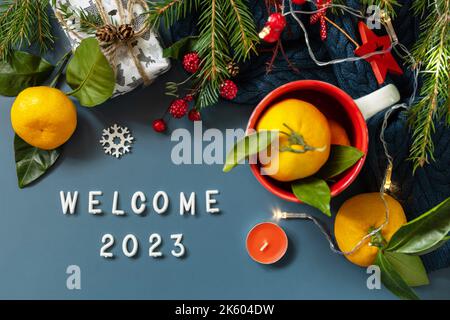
{"x": 24, "y": 23}
{"x": 212, "y": 47}
{"x": 432, "y": 51}
{"x": 242, "y": 29}
{"x": 387, "y": 6}
{"x": 170, "y": 11}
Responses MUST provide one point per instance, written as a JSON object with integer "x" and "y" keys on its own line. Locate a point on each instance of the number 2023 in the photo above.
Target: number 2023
{"x": 130, "y": 245}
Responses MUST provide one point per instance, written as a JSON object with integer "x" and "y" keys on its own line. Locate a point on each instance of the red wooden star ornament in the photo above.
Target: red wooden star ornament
{"x": 381, "y": 63}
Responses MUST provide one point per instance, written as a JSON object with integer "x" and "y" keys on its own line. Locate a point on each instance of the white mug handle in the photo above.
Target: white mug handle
{"x": 378, "y": 100}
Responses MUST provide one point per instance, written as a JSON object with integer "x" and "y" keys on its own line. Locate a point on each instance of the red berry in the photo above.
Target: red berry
{"x": 188, "y": 98}
{"x": 178, "y": 108}
{"x": 277, "y": 22}
{"x": 298, "y": 1}
{"x": 194, "y": 115}
{"x": 191, "y": 62}
{"x": 159, "y": 125}
{"x": 228, "y": 90}
{"x": 269, "y": 35}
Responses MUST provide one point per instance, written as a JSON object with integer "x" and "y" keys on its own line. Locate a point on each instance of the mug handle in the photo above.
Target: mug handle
{"x": 378, "y": 100}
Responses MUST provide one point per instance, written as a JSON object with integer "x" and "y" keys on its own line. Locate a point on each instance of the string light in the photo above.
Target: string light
{"x": 386, "y": 184}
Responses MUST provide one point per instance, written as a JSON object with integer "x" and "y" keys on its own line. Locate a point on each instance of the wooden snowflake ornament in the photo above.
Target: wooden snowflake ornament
{"x": 116, "y": 140}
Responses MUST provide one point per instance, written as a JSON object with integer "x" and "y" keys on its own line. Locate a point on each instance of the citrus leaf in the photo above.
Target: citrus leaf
{"x": 21, "y": 71}
{"x": 409, "y": 267}
{"x": 31, "y": 162}
{"x": 313, "y": 191}
{"x": 180, "y": 48}
{"x": 248, "y": 146}
{"x": 423, "y": 233}
{"x": 431, "y": 249}
{"x": 90, "y": 75}
{"x": 341, "y": 158}
{"x": 392, "y": 279}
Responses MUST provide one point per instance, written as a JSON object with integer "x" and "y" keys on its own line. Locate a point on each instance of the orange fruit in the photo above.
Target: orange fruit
{"x": 360, "y": 215}
{"x": 338, "y": 134}
{"x": 44, "y": 117}
{"x": 300, "y": 121}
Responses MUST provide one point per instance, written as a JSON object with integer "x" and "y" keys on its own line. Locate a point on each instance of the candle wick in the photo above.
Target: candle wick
{"x": 264, "y": 246}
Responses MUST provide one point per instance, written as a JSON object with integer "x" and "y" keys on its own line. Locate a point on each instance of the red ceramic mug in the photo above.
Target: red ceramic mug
{"x": 334, "y": 103}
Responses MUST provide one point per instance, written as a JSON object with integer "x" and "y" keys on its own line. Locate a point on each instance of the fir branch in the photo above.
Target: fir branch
{"x": 212, "y": 47}
{"x": 24, "y": 22}
{"x": 170, "y": 11}
{"x": 432, "y": 51}
{"x": 387, "y": 6}
{"x": 88, "y": 21}
{"x": 242, "y": 29}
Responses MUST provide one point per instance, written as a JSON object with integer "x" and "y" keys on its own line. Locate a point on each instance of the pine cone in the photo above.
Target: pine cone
{"x": 233, "y": 69}
{"x": 125, "y": 32}
{"x": 107, "y": 33}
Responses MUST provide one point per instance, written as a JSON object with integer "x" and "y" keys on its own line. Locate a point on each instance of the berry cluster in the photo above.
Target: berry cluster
{"x": 180, "y": 107}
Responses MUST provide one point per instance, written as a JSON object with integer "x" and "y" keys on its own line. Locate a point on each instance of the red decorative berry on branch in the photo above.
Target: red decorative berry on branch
{"x": 188, "y": 98}
{"x": 178, "y": 108}
{"x": 277, "y": 22}
{"x": 228, "y": 90}
{"x": 273, "y": 28}
{"x": 298, "y": 1}
{"x": 269, "y": 35}
{"x": 159, "y": 125}
{"x": 191, "y": 62}
{"x": 194, "y": 115}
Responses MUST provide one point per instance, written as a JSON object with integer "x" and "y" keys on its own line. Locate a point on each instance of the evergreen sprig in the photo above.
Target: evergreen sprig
{"x": 243, "y": 35}
{"x": 227, "y": 33}
{"x": 432, "y": 52}
{"x": 24, "y": 22}
{"x": 387, "y": 6}
{"x": 170, "y": 11}
{"x": 88, "y": 22}
{"x": 212, "y": 46}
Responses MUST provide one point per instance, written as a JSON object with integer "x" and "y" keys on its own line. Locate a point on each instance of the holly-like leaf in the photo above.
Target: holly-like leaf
{"x": 341, "y": 158}
{"x": 90, "y": 75}
{"x": 180, "y": 48}
{"x": 31, "y": 162}
{"x": 22, "y": 70}
{"x": 313, "y": 191}
{"x": 423, "y": 233}
{"x": 248, "y": 146}
{"x": 392, "y": 279}
{"x": 409, "y": 267}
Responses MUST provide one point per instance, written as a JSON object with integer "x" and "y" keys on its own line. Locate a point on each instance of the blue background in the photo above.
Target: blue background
{"x": 38, "y": 242}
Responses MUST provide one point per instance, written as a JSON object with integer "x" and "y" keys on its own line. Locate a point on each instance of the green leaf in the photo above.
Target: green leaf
{"x": 409, "y": 267}
{"x": 21, "y": 71}
{"x": 424, "y": 232}
{"x": 341, "y": 158}
{"x": 315, "y": 192}
{"x": 31, "y": 162}
{"x": 90, "y": 75}
{"x": 180, "y": 48}
{"x": 431, "y": 249}
{"x": 392, "y": 279}
{"x": 248, "y": 146}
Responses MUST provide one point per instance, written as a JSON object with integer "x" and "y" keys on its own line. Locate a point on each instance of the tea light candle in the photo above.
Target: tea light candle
{"x": 266, "y": 243}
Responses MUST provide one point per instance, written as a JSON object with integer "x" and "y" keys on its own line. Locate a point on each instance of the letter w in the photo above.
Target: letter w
{"x": 68, "y": 203}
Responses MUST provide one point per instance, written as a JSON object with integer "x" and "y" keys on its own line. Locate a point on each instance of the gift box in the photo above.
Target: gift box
{"x": 128, "y": 42}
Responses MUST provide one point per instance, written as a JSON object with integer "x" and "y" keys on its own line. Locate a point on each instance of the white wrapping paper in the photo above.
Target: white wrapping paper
{"x": 146, "y": 48}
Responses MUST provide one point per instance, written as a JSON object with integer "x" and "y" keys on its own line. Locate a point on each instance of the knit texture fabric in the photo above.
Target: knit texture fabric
{"x": 417, "y": 193}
